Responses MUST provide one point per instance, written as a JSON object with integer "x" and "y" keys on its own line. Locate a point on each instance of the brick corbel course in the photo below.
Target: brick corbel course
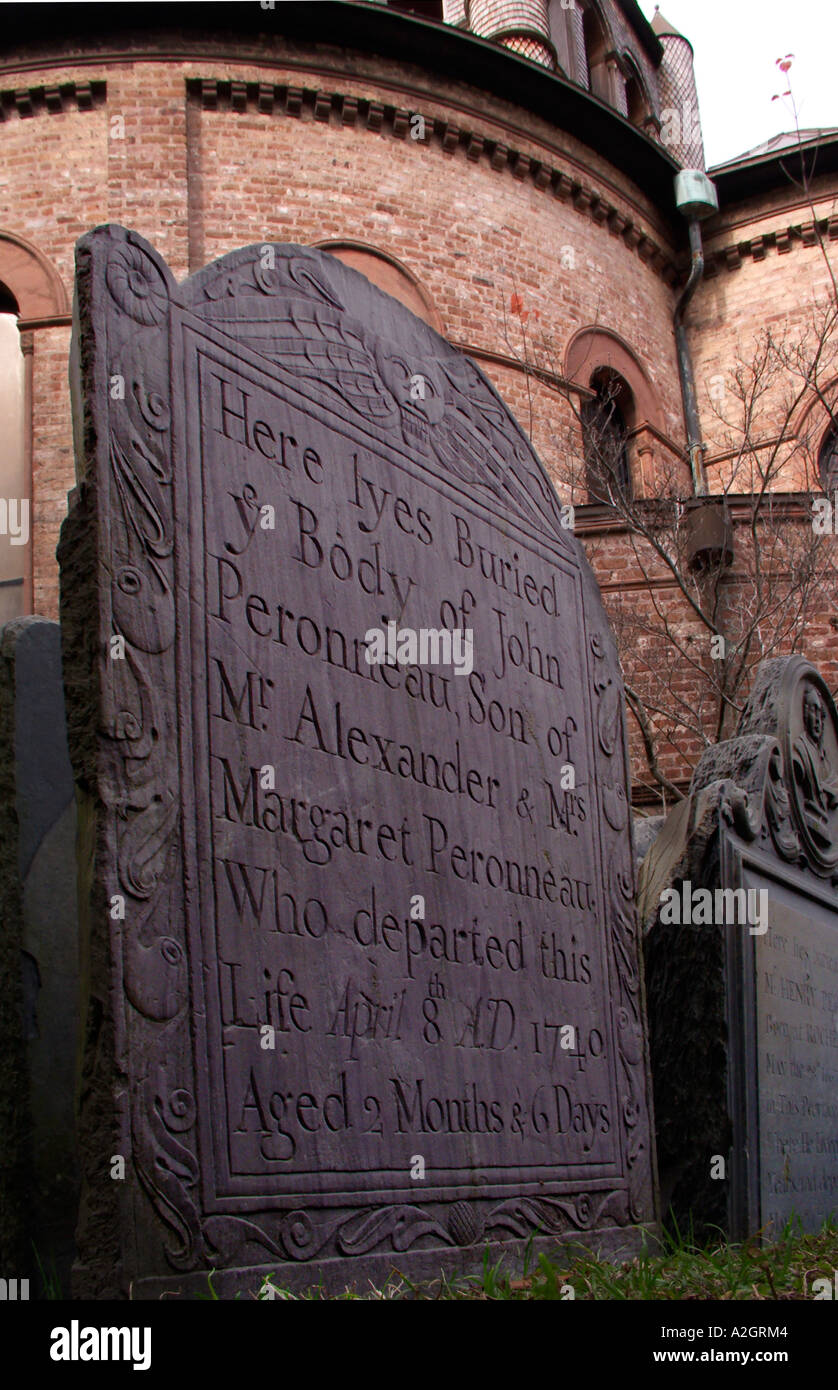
{"x": 452, "y": 140}
{"x": 783, "y": 241}
{"x": 26, "y": 102}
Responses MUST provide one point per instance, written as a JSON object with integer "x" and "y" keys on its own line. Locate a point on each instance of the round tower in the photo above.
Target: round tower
{"x": 680, "y": 120}
{"x": 520, "y": 25}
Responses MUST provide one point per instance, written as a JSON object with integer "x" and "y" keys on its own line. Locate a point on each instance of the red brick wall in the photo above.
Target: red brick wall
{"x": 768, "y": 271}
{"x": 198, "y": 182}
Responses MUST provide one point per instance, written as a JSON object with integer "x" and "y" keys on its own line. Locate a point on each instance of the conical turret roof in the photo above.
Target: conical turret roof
{"x": 664, "y": 29}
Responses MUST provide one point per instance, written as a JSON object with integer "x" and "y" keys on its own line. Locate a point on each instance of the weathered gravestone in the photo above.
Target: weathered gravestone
{"x": 743, "y": 998}
{"x": 39, "y": 967}
{"x": 375, "y": 997}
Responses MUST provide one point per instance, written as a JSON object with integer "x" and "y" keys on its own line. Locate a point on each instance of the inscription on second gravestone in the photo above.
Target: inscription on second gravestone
{"x": 796, "y": 966}
{"x": 797, "y": 1043}
{"x": 389, "y": 781}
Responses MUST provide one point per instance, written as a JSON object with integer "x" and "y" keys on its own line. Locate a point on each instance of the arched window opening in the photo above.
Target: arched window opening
{"x": 14, "y": 505}
{"x": 607, "y": 420}
{"x": 828, "y": 461}
{"x": 594, "y": 36}
{"x": 637, "y": 106}
{"x": 595, "y": 42}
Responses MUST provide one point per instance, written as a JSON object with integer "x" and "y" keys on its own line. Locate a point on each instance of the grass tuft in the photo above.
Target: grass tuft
{"x": 677, "y": 1270}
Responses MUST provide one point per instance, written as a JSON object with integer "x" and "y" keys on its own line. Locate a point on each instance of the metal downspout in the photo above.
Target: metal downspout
{"x": 685, "y": 366}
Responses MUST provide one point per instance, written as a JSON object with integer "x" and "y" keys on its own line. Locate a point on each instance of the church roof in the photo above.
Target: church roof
{"x": 778, "y": 144}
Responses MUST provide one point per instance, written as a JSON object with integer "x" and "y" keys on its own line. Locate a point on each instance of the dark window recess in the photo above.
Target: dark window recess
{"x": 606, "y": 422}
{"x": 828, "y": 461}
{"x": 637, "y": 108}
{"x": 596, "y": 48}
{"x": 8, "y": 303}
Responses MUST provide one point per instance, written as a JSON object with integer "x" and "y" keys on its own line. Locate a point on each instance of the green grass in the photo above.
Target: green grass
{"x": 50, "y": 1281}
{"x": 679, "y": 1269}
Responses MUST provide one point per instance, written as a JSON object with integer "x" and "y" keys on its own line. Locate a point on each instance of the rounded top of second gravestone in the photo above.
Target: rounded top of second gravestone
{"x": 792, "y": 701}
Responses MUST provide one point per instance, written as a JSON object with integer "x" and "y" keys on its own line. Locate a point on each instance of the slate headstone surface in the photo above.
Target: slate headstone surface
{"x": 744, "y": 1012}
{"x": 364, "y": 983}
{"x": 39, "y": 978}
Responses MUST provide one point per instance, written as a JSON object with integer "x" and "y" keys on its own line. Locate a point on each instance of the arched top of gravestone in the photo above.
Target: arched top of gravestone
{"x": 327, "y": 329}
{"x": 362, "y": 352}
{"x": 791, "y": 701}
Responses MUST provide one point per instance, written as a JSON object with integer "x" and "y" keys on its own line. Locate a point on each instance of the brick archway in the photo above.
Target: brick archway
{"x": 34, "y": 282}
{"x": 40, "y": 301}
{"x": 388, "y": 274}
{"x": 591, "y": 349}
{"x": 813, "y": 421}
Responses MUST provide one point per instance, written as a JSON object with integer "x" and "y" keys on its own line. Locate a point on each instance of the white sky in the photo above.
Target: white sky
{"x": 736, "y": 43}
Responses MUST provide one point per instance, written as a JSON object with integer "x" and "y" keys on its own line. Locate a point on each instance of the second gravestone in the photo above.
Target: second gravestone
{"x": 738, "y": 893}
{"x": 348, "y": 724}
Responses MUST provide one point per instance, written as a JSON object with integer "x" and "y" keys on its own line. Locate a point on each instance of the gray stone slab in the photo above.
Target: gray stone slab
{"x": 796, "y": 971}
{"x": 359, "y": 906}
{"x": 40, "y": 976}
{"x": 742, "y": 1006}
